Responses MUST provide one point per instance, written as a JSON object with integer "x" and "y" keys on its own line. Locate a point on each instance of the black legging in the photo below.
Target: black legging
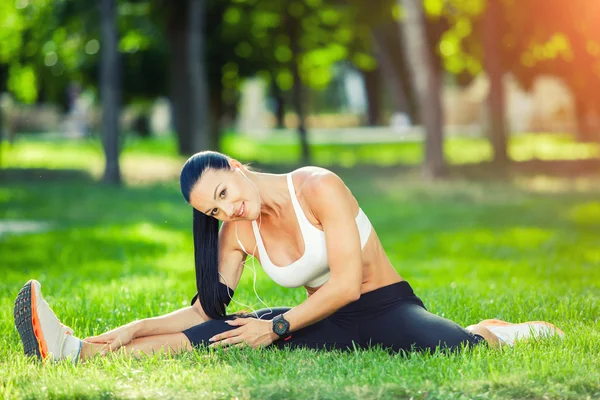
{"x": 392, "y": 317}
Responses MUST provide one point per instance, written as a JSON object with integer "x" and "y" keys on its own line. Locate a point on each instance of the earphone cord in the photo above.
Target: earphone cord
{"x": 253, "y": 269}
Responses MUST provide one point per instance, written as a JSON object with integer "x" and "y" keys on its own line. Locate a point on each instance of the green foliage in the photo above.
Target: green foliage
{"x": 49, "y": 44}
{"x": 22, "y": 82}
{"x": 561, "y": 41}
{"x": 17, "y": 19}
{"x": 262, "y": 31}
{"x": 12, "y": 23}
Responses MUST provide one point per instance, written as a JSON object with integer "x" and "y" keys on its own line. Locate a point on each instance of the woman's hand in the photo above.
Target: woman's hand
{"x": 251, "y": 332}
{"x": 115, "y": 338}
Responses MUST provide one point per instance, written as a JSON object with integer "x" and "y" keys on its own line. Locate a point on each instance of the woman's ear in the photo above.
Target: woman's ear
{"x": 233, "y": 163}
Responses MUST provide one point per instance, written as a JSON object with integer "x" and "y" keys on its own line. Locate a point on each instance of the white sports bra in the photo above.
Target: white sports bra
{"x": 312, "y": 269}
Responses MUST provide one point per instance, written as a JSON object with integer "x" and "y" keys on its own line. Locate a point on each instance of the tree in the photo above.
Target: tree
{"x": 294, "y": 44}
{"x": 194, "y": 86}
{"x": 2, "y": 111}
{"x": 382, "y": 56}
{"x": 110, "y": 90}
{"x": 391, "y": 56}
{"x": 563, "y": 41}
{"x": 373, "y": 88}
{"x": 293, "y": 30}
{"x": 200, "y": 113}
{"x": 427, "y": 84}
{"x": 495, "y": 73}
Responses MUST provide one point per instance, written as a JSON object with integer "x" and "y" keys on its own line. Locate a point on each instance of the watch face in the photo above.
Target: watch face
{"x": 280, "y": 327}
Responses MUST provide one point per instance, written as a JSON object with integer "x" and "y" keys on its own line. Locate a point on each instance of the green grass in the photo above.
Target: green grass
{"x": 458, "y": 150}
{"x": 32, "y": 152}
{"x": 522, "y": 250}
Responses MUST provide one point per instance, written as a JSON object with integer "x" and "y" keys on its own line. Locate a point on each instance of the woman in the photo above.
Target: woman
{"x": 306, "y": 229}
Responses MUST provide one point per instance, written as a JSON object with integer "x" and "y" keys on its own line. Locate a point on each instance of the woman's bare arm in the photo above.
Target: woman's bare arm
{"x": 231, "y": 259}
{"x": 329, "y": 200}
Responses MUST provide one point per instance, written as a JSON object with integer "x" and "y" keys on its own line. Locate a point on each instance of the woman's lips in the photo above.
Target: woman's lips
{"x": 242, "y": 210}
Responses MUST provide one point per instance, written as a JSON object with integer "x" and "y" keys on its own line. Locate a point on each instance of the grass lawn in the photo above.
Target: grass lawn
{"x": 144, "y": 160}
{"x": 528, "y": 249}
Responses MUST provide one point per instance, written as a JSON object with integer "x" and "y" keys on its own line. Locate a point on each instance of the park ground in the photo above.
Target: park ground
{"x": 521, "y": 247}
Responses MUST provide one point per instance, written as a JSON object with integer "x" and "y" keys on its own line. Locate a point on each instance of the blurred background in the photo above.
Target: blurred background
{"x": 468, "y": 131}
{"x": 434, "y": 84}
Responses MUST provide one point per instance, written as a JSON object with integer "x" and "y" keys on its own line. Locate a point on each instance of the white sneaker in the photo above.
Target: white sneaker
{"x": 42, "y": 334}
{"x": 509, "y": 333}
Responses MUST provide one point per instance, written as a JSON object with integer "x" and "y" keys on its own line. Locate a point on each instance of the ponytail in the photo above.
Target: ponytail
{"x": 206, "y": 234}
{"x": 206, "y": 257}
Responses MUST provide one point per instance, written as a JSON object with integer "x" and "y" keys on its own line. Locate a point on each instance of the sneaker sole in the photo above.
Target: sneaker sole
{"x": 28, "y": 324}
{"x": 499, "y": 322}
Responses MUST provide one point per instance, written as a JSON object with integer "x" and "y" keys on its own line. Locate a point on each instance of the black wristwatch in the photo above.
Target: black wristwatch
{"x": 280, "y": 326}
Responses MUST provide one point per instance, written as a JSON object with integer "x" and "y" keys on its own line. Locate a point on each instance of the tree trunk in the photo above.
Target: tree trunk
{"x": 584, "y": 131}
{"x": 200, "y": 108}
{"x": 217, "y": 110}
{"x": 279, "y": 103}
{"x": 427, "y": 84}
{"x": 493, "y": 67}
{"x": 1, "y": 138}
{"x": 178, "y": 76}
{"x": 1, "y": 131}
{"x": 110, "y": 90}
{"x": 3, "y": 79}
{"x": 293, "y": 26}
{"x": 397, "y": 83}
{"x": 373, "y": 89}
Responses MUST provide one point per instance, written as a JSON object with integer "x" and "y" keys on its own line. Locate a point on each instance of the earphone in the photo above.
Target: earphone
{"x": 253, "y": 269}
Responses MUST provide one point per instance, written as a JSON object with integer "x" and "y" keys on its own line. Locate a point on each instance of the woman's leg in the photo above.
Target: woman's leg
{"x": 174, "y": 342}
{"x": 44, "y": 336}
{"x": 327, "y": 334}
{"x": 182, "y": 341}
{"x": 404, "y": 323}
{"x": 407, "y": 325}
{"x": 506, "y": 333}
{"x": 198, "y": 335}
{"x": 394, "y": 318}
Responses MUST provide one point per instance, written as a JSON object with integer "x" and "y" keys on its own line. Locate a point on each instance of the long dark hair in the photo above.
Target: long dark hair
{"x": 206, "y": 233}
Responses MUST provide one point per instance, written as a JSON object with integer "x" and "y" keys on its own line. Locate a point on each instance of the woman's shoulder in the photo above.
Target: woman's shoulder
{"x": 311, "y": 179}
{"x": 321, "y": 187}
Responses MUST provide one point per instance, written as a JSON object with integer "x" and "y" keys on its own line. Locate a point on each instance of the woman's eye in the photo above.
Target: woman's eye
{"x": 214, "y": 211}
{"x": 223, "y": 193}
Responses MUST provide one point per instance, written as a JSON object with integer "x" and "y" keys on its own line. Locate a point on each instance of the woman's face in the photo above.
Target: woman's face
{"x": 226, "y": 195}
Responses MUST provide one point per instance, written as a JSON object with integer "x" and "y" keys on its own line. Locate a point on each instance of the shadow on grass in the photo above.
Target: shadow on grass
{"x": 31, "y": 175}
